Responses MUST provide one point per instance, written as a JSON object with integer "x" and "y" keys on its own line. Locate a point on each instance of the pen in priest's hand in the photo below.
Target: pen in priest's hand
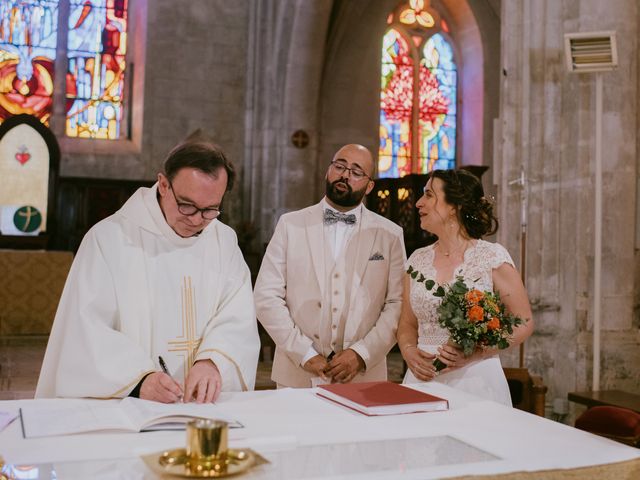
{"x": 164, "y": 368}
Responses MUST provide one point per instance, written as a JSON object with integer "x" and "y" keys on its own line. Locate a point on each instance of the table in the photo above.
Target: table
{"x": 305, "y": 436}
{"x": 615, "y": 398}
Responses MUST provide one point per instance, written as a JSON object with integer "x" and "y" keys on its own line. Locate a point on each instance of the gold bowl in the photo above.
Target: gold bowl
{"x": 176, "y": 462}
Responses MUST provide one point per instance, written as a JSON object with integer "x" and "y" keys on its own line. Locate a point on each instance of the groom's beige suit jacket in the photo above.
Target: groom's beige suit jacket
{"x": 304, "y": 299}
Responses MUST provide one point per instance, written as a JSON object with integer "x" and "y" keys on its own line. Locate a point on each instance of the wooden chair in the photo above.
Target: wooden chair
{"x": 617, "y": 423}
{"x": 527, "y": 391}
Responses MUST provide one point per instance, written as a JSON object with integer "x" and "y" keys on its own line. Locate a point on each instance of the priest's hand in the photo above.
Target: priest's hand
{"x": 203, "y": 383}
{"x": 316, "y": 365}
{"x": 420, "y": 363}
{"x": 344, "y": 366}
{"x": 160, "y": 387}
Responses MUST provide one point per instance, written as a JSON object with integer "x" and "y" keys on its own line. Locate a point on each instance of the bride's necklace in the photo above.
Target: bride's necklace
{"x": 455, "y": 250}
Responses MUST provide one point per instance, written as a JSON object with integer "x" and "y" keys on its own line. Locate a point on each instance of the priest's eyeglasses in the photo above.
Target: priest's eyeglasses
{"x": 188, "y": 209}
{"x": 356, "y": 173}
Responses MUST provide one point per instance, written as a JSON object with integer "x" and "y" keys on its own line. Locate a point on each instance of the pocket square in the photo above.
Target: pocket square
{"x": 376, "y": 256}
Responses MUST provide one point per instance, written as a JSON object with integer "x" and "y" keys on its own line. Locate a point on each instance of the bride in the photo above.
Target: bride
{"x": 453, "y": 208}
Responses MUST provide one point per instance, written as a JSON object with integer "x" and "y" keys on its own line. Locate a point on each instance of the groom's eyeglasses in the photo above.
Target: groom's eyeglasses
{"x": 356, "y": 173}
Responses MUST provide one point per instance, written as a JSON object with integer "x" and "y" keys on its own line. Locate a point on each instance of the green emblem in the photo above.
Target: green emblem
{"x": 27, "y": 219}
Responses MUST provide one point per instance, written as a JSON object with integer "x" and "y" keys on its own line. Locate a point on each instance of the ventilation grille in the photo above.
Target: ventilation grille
{"x": 590, "y": 52}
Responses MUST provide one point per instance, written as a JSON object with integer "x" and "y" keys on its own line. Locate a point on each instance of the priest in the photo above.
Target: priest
{"x": 158, "y": 302}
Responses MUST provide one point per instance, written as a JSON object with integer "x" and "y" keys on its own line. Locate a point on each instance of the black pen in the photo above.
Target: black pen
{"x": 163, "y": 366}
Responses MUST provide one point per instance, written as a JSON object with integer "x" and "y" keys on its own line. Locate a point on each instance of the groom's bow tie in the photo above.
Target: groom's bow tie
{"x": 331, "y": 217}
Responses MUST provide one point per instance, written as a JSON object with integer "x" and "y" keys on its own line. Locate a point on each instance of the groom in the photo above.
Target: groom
{"x": 330, "y": 286}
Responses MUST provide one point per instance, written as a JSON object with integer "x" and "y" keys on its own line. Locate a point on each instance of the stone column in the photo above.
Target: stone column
{"x": 286, "y": 54}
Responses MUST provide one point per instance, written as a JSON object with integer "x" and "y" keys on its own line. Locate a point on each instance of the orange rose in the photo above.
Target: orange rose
{"x": 493, "y": 324}
{"x": 476, "y": 313}
{"x": 474, "y": 297}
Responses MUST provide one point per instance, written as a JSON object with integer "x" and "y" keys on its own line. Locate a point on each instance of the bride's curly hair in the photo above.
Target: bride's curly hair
{"x": 463, "y": 190}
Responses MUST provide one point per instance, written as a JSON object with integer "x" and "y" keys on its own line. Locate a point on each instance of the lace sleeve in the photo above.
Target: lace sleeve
{"x": 499, "y": 255}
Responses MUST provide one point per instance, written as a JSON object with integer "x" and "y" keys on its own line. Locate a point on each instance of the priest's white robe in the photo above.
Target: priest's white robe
{"x": 137, "y": 291}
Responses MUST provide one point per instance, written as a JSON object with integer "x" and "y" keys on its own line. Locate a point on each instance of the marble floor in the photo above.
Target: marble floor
{"x": 21, "y": 358}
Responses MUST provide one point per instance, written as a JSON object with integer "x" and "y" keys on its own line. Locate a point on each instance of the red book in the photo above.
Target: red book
{"x": 382, "y": 398}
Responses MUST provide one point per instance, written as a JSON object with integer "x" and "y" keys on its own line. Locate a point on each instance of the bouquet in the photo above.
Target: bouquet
{"x": 472, "y": 317}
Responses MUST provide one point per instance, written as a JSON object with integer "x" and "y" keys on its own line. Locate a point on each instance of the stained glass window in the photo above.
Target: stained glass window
{"x": 28, "y": 33}
{"x": 396, "y": 103}
{"x": 418, "y": 94}
{"x": 438, "y": 84}
{"x": 96, "y": 49}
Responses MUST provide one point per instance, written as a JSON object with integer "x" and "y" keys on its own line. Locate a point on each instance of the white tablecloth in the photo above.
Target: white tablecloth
{"x": 305, "y": 436}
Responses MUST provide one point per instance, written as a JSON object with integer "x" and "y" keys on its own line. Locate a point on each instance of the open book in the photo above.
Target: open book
{"x": 381, "y": 398}
{"x": 43, "y": 418}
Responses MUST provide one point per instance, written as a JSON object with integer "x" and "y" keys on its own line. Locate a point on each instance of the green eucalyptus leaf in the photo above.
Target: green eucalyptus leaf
{"x": 459, "y": 288}
{"x": 468, "y": 346}
{"x": 429, "y": 284}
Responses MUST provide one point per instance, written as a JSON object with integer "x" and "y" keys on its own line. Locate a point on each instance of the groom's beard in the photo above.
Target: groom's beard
{"x": 346, "y": 198}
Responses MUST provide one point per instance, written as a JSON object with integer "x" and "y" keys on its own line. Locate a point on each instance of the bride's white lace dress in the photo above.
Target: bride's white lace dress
{"x": 484, "y": 378}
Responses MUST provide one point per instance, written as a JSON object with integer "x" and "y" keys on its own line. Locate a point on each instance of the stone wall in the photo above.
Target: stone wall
{"x": 547, "y": 128}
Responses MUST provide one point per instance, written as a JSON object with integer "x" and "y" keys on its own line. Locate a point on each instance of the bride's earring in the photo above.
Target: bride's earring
{"x": 452, "y": 220}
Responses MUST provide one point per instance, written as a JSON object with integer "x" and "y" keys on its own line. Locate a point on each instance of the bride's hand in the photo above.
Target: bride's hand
{"x": 419, "y": 362}
{"x": 453, "y": 357}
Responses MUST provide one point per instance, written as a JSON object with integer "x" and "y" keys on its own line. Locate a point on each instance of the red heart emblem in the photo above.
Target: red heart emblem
{"x": 23, "y": 157}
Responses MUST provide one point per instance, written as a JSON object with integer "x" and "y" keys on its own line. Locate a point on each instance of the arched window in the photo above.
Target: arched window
{"x": 418, "y": 93}
{"x": 28, "y": 35}
{"x": 96, "y": 48}
{"x": 95, "y": 41}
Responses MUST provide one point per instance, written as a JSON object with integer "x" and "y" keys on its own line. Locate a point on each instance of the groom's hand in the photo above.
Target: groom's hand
{"x": 316, "y": 365}
{"x": 344, "y": 366}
